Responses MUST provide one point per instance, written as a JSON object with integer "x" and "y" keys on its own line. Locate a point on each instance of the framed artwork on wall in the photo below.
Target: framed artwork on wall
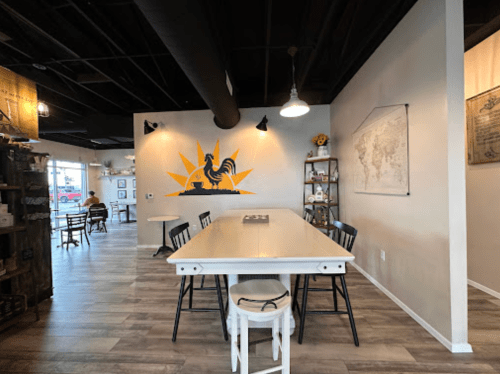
{"x": 122, "y": 194}
{"x": 133, "y": 183}
{"x": 133, "y": 194}
{"x": 122, "y": 183}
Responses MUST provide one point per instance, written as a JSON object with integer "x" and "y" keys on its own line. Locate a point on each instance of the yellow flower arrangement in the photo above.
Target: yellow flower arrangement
{"x": 320, "y": 139}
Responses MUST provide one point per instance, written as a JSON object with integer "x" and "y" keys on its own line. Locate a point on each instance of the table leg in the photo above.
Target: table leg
{"x": 164, "y": 247}
{"x": 128, "y": 213}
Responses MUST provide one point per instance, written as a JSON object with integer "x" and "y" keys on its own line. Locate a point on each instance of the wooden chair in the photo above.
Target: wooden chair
{"x": 75, "y": 222}
{"x": 344, "y": 235}
{"x": 260, "y": 300}
{"x": 205, "y": 219}
{"x": 308, "y": 215}
{"x": 98, "y": 214}
{"x": 179, "y": 236}
{"x": 116, "y": 211}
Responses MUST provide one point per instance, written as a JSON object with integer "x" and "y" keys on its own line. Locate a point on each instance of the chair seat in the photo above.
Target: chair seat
{"x": 262, "y": 291}
{"x": 94, "y": 219}
{"x": 77, "y": 228}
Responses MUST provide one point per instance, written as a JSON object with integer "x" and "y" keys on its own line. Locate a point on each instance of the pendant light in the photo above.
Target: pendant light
{"x": 294, "y": 107}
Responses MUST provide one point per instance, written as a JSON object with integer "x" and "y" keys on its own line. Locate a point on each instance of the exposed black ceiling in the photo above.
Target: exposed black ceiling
{"x": 104, "y": 58}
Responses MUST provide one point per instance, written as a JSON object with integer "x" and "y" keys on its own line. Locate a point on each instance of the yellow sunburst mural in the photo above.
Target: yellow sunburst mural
{"x": 210, "y": 177}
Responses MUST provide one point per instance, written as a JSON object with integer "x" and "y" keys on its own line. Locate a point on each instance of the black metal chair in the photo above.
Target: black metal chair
{"x": 98, "y": 213}
{"x": 308, "y": 215}
{"x": 75, "y": 222}
{"x": 179, "y": 236}
{"x": 344, "y": 235}
{"x": 205, "y": 219}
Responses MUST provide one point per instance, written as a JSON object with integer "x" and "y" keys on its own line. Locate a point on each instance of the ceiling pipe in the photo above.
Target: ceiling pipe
{"x": 186, "y": 32}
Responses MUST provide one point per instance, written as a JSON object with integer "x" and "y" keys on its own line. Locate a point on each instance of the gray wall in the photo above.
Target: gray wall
{"x": 413, "y": 66}
{"x": 277, "y": 159}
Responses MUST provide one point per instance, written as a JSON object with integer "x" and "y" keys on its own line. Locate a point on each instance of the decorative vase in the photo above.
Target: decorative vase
{"x": 323, "y": 151}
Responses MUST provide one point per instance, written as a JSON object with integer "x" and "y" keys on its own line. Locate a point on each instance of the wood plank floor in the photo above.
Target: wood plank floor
{"x": 114, "y": 305}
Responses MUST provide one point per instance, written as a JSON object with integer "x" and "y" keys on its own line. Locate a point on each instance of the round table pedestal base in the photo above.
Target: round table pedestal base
{"x": 162, "y": 249}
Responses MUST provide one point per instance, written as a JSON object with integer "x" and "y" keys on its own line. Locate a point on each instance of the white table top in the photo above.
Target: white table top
{"x": 286, "y": 242}
{"x": 162, "y": 218}
{"x": 127, "y": 202}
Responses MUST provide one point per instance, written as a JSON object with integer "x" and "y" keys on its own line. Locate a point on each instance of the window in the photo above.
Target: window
{"x": 69, "y": 179}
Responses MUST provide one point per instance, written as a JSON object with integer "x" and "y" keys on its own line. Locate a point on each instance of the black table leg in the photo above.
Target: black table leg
{"x": 164, "y": 247}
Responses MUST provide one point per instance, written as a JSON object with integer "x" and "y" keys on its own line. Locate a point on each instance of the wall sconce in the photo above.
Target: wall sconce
{"x": 149, "y": 127}
{"x": 262, "y": 125}
{"x": 43, "y": 109}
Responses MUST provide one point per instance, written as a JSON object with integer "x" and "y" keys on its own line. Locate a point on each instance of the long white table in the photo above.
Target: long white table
{"x": 286, "y": 245}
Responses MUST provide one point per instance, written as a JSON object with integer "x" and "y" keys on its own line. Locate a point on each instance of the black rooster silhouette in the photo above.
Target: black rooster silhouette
{"x": 215, "y": 176}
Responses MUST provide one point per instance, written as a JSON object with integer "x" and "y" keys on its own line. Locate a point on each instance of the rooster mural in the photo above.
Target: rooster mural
{"x": 215, "y": 176}
{"x": 210, "y": 176}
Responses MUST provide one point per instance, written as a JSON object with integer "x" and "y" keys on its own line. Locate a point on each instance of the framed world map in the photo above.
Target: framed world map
{"x": 381, "y": 152}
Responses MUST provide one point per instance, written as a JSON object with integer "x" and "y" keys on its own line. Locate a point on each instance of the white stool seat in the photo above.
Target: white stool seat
{"x": 260, "y": 300}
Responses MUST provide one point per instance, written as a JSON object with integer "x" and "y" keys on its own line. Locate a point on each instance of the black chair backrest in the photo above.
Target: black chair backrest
{"x": 308, "y": 215}
{"x": 98, "y": 210}
{"x": 76, "y": 220}
{"x": 179, "y": 234}
{"x": 205, "y": 219}
{"x": 344, "y": 234}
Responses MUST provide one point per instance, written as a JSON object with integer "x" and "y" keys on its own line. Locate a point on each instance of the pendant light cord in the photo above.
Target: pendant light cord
{"x": 293, "y": 71}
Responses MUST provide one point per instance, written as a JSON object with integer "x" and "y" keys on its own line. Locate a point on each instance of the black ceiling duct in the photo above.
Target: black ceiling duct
{"x": 184, "y": 28}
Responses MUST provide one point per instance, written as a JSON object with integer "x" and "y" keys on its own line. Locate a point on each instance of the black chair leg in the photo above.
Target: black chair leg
{"x": 86, "y": 237}
{"x": 202, "y": 281}
{"x": 334, "y": 287}
{"x": 295, "y": 292}
{"x": 105, "y": 228}
{"x": 68, "y": 238}
{"x": 304, "y": 307}
{"x": 221, "y": 307}
{"x": 179, "y": 307}
{"x": 349, "y": 311}
{"x": 227, "y": 291}
{"x": 191, "y": 281}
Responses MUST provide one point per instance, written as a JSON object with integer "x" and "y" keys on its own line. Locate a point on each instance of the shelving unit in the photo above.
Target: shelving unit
{"x": 25, "y": 246}
{"x": 309, "y": 189}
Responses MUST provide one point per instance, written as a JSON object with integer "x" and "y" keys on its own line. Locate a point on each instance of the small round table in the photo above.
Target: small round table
{"x": 163, "y": 219}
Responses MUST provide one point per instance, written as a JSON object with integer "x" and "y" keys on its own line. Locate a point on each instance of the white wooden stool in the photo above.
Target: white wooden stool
{"x": 260, "y": 300}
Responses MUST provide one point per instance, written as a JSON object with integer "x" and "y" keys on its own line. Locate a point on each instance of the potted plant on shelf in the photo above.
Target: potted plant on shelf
{"x": 321, "y": 141}
{"x": 107, "y": 164}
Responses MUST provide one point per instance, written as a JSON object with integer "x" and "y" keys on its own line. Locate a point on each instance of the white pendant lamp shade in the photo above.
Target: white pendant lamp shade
{"x": 294, "y": 107}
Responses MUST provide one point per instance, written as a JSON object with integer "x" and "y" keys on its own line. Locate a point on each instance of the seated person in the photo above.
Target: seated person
{"x": 90, "y": 201}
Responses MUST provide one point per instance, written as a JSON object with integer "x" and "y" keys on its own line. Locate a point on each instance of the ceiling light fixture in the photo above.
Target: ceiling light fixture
{"x": 39, "y": 66}
{"x": 262, "y": 125}
{"x": 95, "y": 162}
{"x": 43, "y": 109}
{"x": 149, "y": 127}
{"x": 294, "y": 107}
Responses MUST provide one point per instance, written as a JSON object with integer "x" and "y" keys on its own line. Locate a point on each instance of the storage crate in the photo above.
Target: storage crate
{"x": 11, "y": 306}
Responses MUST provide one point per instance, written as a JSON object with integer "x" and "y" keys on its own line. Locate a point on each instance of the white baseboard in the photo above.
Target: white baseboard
{"x": 454, "y": 348}
{"x": 156, "y": 246}
{"x": 484, "y": 288}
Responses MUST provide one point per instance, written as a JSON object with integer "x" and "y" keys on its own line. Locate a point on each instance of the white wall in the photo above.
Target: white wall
{"x": 105, "y": 189}
{"x": 277, "y": 159}
{"x": 482, "y": 72}
{"x": 413, "y": 65}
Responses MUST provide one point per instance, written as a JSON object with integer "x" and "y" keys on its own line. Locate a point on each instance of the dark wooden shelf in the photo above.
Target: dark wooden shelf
{"x": 321, "y": 160}
{"x": 318, "y": 182}
{"x": 321, "y": 204}
{"x": 321, "y": 226}
{"x": 14, "y": 273}
{"x": 9, "y": 188}
{"x": 11, "y": 229}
